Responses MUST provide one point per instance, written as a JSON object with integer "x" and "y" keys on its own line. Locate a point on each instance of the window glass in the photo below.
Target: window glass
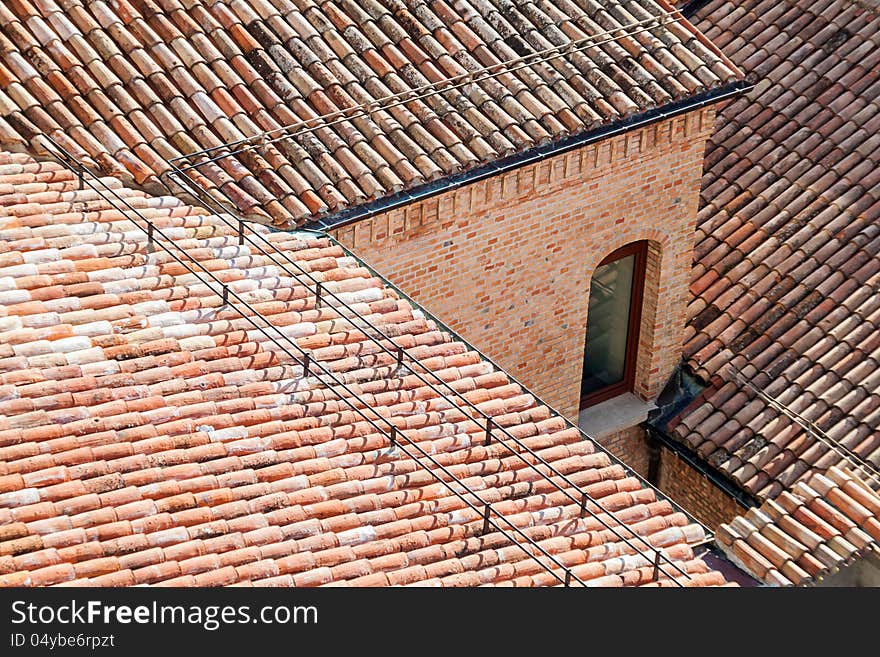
{"x": 608, "y": 325}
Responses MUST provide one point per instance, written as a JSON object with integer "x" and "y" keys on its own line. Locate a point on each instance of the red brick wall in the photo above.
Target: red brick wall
{"x": 630, "y": 446}
{"x": 694, "y": 492}
{"x": 507, "y": 261}
{"x": 676, "y": 479}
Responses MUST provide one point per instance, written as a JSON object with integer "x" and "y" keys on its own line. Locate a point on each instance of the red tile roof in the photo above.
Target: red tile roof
{"x": 824, "y": 523}
{"x": 131, "y": 84}
{"x": 150, "y": 435}
{"x": 787, "y": 248}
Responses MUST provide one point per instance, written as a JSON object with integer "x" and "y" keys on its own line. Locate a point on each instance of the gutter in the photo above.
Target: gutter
{"x": 741, "y": 497}
{"x": 529, "y": 156}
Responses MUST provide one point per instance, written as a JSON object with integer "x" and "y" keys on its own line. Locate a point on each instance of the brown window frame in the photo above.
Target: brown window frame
{"x": 627, "y": 384}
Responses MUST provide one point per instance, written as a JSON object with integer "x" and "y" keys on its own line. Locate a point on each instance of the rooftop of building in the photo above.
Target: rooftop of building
{"x": 824, "y": 523}
{"x": 784, "y": 321}
{"x": 305, "y": 109}
{"x": 161, "y": 424}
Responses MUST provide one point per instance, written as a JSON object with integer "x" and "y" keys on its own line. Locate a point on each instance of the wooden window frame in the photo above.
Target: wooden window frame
{"x": 627, "y": 384}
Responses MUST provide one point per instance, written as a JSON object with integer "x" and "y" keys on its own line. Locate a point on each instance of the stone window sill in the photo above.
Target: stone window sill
{"x": 613, "y": 415}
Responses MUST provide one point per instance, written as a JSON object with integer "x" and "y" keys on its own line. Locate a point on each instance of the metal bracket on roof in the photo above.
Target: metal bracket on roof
{"x": 318, "y": 289}
{"x": 656, "y": 565}
{"x": 307, "y": 361}
{"x": 371, "y": 107}
{"x": 486, "y": 513}
{"x": 490, "y": 423}
{"x": 401, "y": 366}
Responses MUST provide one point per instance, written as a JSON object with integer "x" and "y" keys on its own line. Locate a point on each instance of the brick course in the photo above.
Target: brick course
{"x": 506, "y": 262}
{"x": 694, "y": 492}
{"x": 630, "y": 446}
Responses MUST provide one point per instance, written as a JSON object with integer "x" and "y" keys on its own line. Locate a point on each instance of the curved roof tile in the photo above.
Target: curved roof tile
{"x": 149, "y": 434}
{"x": 132, "y": 84}
{"x": 787, "y": 255}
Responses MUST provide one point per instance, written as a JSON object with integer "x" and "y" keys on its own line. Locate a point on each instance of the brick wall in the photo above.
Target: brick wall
{"x": 694, "y": 492}
{"x": 630, "y": 446}
{"x": 676, "y": 479}
{"x": 507, "y": 261}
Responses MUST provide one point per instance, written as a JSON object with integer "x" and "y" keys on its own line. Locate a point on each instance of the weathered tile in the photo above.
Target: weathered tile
{"x": 786, "y": 261}
{"x": 150, "y": 434}
{"x": 354, "y": 84}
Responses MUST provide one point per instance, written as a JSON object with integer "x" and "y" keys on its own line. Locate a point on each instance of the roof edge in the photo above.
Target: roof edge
{"x": 691, "y": 7}
{"x": 739, "y": 495}
{"x": 529, "y": 156}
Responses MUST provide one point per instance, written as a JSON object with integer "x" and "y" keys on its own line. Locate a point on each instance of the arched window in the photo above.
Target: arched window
{"x": 613, "y": 318}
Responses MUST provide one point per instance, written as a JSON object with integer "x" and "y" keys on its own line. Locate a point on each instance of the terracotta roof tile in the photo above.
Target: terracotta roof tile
{"x": 822, "y": 525}
{"x": 167, "y": 79}
{"x": 146, "y": 441}
{"x": 786, "y": 256}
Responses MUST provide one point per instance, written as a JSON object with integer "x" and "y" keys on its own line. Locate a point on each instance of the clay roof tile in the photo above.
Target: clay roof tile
{"x": 779, "y": 276}
{"x": 177, "y": 448}
{"x": 340, "y": 69}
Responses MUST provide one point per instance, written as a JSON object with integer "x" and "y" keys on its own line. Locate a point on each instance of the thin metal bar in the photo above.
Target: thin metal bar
{"x": 489, "y": 424}
{"x": 401, "y": 365}
{"x": 346, "y": 216}
{"x": 513, "y": 527}
{"x": 516, "y": 530}
{"x": 486, "y": 512}
{"x": 860, "y": 465}
{"x": 656, "y": 565}
{"x": 705, "y": 541}
{"x": 446, "y": 85}
{"x": 200, "y": 194}
{"x": 318, "y": 290}
{"x": 180, "y": 262}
